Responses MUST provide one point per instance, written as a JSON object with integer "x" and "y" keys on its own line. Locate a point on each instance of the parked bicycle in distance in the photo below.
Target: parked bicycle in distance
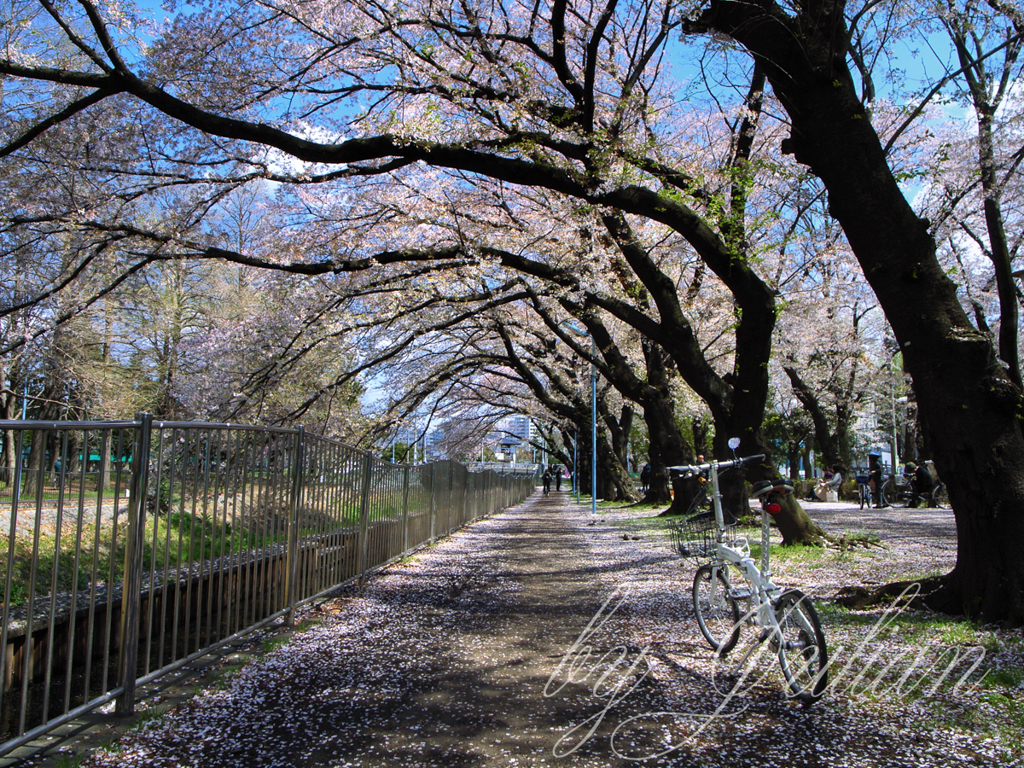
{"x": 730, "y": 589}
{"x": 864, "y": 491}
{"x": 899, "y": 492}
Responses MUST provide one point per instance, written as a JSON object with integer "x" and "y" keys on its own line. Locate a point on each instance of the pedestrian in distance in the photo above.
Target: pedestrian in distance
{"x": 547, "y": 481}
{"x": 645, "y": 478}
{"x": 875, "y": 478}
{"x": 558, "y": 478}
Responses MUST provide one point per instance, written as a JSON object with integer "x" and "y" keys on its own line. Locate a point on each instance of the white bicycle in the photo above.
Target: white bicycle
{"x": 729, "y": 589}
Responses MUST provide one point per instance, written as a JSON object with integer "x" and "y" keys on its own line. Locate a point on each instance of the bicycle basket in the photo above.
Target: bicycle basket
{"x": 696, "y": 537}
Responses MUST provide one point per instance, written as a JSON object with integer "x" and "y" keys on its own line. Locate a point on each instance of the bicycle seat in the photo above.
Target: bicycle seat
{"x": 767, "y": 486}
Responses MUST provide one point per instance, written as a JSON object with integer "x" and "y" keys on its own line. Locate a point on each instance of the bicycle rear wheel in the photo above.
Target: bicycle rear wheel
{"x": 718, "y": 616}
{"x": 939, "y": 498}
{"x": 893, "y": 496}
{"x": 802, "y": 652}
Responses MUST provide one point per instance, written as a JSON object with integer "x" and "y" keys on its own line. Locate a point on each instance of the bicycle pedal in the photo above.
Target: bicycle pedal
{"x": 741, "y": 594}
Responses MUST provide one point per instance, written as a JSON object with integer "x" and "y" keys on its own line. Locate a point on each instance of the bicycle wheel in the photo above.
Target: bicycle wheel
{"x": 802, "y": 652}
{"x": 939, "y": 498}
{"x": 717, "y": 613}
{"x": 893, "y": 497}
{"x": 865, "y": 495}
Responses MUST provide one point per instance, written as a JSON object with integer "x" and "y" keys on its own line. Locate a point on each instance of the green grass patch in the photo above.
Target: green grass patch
{"x": 794, "y": 553}
{"x": 145, "y": 717}
{"x": 860, "y": 539}
{"x": 170, "y": 540}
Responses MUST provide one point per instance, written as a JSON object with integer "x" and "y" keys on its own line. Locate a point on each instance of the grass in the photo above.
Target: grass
{"x": 170, "y": 540}
{"x": 908, "y": 658}
{"x": 28, "y": 493}
{"x": 923, "y": 658}
{"x": 794, "y": 553}
{"x": 68, "y": 761}
{"x": 145, "y": 717}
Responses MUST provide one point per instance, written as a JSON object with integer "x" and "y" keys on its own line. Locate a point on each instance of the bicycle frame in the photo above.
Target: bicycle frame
{"x": 759, "y": 578}
{"x": 786, "y": 617}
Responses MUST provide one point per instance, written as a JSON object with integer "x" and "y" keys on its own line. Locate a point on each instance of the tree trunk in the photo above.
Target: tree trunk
{"x": 7, "y": 458}
{"x": 969, "y": 407}
{"x": 822, "y": 432}
{"x": 615, "y": 483}
{"x": 793, "y": 521}
{"x": 666, "y": 449}
{"x": 793, "y": 458}
{"x": 795, "y": 525}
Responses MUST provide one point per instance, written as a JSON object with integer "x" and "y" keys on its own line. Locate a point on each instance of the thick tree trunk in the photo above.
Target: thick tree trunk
{"x": 827, "y": 442}
{"x": 969, "y": 407}
{"x": 793, "y": 521}
{"x": 793, "y": 458}
{"x": 615, "y": 483}
{"x": 795, "y": 525}
{"x": 7, "y": 458}
{"x": 666, "y": 448}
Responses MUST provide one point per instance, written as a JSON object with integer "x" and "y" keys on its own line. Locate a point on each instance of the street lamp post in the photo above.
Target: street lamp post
{"x": 593, "y": 430}
{"x": 593, "y": 420}
{"x": 575, "y": 465}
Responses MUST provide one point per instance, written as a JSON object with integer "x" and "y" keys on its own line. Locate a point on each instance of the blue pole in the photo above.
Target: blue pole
{"x": 593, "y": 432}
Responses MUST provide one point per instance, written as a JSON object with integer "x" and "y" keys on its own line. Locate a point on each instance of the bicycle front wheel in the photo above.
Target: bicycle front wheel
{"x": 802, "y": 651}
{"x": 939, "y": 498}
{"x": 893, "y": 497}
{"x": 718, "y": 616}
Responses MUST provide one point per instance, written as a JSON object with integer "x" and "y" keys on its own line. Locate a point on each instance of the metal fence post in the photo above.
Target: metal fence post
{"x": 364, "y": 518}
{"x": 131, "y": 595}
{"x": 292, "y": 557}
{"x": 405, "y": 509}
{"x": 433, "y": 500}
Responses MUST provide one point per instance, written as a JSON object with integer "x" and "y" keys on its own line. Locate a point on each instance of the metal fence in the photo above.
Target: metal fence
{"x": 132, "y": 548}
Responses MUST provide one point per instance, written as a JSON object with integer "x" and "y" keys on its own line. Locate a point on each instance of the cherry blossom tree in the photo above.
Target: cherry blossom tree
{"x": 968, "y": 404}
{"x": 574, "y": 99}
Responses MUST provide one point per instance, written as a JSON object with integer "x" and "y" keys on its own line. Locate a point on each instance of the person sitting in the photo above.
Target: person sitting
{"x": 921, "y": 482}
{"x": 829, "y": 483}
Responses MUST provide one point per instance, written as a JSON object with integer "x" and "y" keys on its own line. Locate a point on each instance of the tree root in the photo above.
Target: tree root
{"x": 846, "y": 541}
{"x": 858, "y": 597}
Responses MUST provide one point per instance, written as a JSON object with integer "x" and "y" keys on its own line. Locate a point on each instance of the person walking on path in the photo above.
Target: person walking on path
{"x": 645, "y": 478}
{"x": 875, "y": 478}
{"x": 547, "y": 481}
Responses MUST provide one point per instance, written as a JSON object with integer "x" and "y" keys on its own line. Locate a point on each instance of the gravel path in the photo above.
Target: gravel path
{"x": 471, "y": 654}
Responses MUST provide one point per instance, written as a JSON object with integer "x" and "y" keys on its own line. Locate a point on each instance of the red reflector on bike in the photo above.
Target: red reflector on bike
{"x": 773, "y": 508}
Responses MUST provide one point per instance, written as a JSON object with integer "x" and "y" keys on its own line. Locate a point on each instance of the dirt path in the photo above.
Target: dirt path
{"x": 442, "y": 662}
{"x": 461, "y": 656}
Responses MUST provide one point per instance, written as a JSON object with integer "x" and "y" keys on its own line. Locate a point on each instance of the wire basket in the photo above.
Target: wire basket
{"x": 696, "y": 537}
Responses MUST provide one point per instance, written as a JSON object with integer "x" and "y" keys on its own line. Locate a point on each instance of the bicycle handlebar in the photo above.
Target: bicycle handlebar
{"x": 702, "y": 468}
